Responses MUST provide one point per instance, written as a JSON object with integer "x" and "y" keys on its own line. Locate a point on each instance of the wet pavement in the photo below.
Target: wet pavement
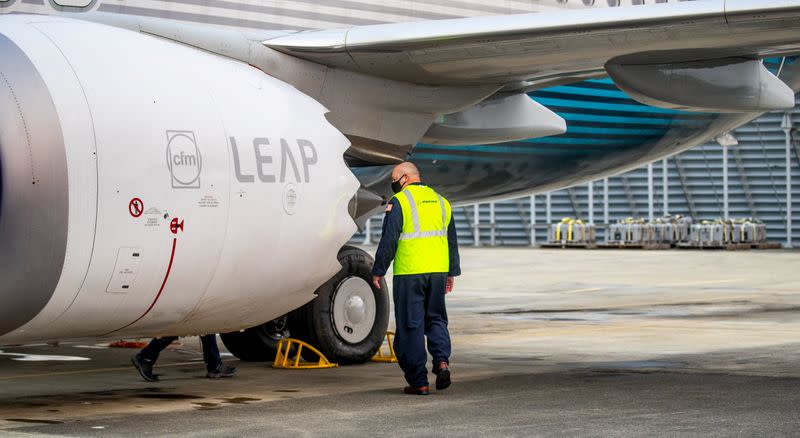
{"x": 546, "y": 343}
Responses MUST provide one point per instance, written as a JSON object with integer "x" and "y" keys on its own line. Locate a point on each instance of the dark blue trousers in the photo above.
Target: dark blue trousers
{"x": 210, "y": 350}
{"x": 419, "y": 312}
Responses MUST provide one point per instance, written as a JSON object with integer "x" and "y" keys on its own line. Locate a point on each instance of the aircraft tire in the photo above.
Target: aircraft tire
{"x": 256, "y": 344}
{"x": 348, "y": 320}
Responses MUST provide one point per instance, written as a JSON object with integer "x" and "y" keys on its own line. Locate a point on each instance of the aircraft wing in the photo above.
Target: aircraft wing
{"x": 464, "y": 81}
{"x": 537, "y": 50}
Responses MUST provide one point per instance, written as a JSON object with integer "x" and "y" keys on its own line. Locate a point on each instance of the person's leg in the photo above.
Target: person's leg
{"x": 210, "y": 352}
{"x": 145, "y": 359}
{"x": 409, "y": 339}
{"x": 436, "y": 329}
{"x": 155, "y": 347}
{"x": 436, "y": 320}
{"x": 213, "y": 360}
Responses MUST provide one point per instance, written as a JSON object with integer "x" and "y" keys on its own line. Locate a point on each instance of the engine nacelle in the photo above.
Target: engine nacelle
{"x": 153, "y": 188}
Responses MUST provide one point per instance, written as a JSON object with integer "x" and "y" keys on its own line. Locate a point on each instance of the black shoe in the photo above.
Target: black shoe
{"x": 144, "y": 368}
{"x": 222, "y": 370}
{"x": 443, "y": 376}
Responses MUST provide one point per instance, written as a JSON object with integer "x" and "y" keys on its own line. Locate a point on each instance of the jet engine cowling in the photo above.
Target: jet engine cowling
{"x": 149, "y": 188}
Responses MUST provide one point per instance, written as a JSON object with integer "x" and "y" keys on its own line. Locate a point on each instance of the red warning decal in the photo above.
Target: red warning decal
{"x": 136, "y": 207}
{"x": 176, "y": 225}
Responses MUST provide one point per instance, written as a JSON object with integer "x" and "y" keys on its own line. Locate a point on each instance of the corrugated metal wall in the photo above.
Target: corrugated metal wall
{"x": 756, "y": 184}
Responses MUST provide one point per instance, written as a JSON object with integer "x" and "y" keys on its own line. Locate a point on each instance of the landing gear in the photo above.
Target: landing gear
{"x": 259, "y": 343}
{"x": 346, "y": 322}
{"x": 348, "y": 319}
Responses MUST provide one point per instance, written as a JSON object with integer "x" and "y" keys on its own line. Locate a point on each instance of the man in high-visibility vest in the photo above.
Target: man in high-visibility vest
{"x": 420, "y": 235}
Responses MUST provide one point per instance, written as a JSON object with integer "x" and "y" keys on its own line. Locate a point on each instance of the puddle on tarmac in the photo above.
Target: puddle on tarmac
{"x": 50, "y": 402}
{"x": 286, "y": 390}
{"x": 239, "y": 400}
{"x": 169, "y": 396}
{"x": 733, "y": 308}
{"x": 33, "y": 420}
{"x": 31, "y": 404}
{"x": 107, "y": 393}
{"x": 517, "y": 358}
{"x": 623, "y": 366}
{"x": 205, "y": 406}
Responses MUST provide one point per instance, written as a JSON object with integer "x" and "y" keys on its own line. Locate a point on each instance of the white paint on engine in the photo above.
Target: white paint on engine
{"x": 148, "y": 125}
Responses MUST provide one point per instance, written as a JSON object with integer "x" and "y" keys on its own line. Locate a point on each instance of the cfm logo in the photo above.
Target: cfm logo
{"x": 183, "y": 159}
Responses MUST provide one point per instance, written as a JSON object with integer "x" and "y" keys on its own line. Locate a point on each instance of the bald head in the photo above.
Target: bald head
{"x": 406, "y": 172}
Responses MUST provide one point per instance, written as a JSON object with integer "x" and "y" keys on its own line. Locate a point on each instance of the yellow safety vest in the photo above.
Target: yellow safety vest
{"x": 423, "y": 246}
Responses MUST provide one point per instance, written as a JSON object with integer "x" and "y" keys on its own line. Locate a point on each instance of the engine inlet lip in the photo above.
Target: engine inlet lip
{"x": 1, "y": 184}
{"x": 34, "y": 194}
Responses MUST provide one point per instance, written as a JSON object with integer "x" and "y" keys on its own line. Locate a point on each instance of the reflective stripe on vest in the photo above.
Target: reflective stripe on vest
{"x": 417, "y": 233}
{"x": 422, "y": 247}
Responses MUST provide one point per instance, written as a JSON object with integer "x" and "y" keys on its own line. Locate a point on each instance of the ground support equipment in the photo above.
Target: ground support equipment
{"x": 289, "y": 358}
{"x": 388, "y": 358}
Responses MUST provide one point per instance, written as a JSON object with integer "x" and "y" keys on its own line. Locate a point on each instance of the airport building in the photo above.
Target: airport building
{"x": 694, "y": 185}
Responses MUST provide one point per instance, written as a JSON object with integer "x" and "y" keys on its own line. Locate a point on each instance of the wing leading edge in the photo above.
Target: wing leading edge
{"x": 529, "y": 51}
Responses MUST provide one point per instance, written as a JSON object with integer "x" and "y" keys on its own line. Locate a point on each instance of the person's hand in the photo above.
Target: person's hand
{"x": 449, "y": 285}
{"x": 377, "y": 281}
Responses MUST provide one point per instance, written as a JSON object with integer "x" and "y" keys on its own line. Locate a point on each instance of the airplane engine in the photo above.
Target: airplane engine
{"x": 151, "y": 188}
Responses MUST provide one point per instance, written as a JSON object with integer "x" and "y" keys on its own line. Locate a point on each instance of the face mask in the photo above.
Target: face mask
{"x": 397, "y": 186}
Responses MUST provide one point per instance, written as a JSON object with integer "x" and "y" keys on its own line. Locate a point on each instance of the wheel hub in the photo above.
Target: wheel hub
{"x": 354, "y": 309}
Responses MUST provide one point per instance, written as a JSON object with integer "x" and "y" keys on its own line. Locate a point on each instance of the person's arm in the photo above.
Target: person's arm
{"x": 452, "y": 243}
{"x": 392, "y": 226}
{"x": 455, "y": 259}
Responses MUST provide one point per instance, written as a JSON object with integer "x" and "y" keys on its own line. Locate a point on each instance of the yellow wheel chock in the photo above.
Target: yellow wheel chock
{"x": 389, "y": 358}
{"x": 282, "y": 359}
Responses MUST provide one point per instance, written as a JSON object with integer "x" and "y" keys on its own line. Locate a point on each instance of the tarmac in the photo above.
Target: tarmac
{"x": 546, "y": 343}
